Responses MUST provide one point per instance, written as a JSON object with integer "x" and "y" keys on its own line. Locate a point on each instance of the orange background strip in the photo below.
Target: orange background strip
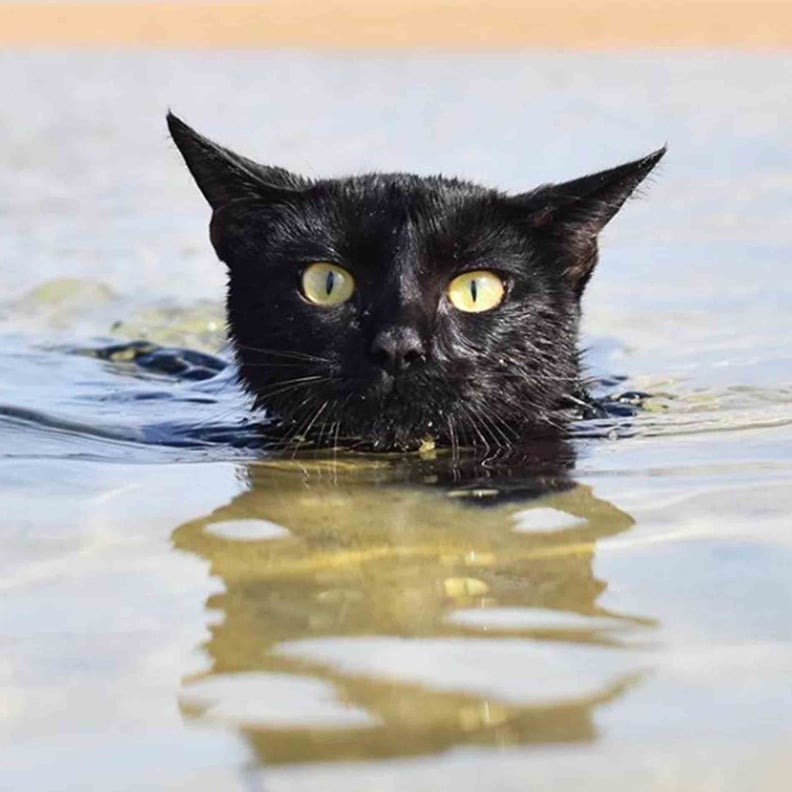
{"x": 335, "y": 24}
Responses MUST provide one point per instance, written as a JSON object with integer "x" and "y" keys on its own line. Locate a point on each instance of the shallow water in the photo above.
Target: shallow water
{"x": 181, "y": 611}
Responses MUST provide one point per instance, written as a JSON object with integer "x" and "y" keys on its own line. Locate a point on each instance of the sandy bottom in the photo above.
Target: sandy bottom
{"x": 403, "y": 23}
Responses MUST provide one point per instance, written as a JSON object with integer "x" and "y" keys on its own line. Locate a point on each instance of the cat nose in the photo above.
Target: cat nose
{"x": 397, "y": 349}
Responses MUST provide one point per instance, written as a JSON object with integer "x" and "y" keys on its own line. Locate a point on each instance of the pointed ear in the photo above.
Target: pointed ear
{"x": 223, "y": 176}
{"x": 575, "y": 212}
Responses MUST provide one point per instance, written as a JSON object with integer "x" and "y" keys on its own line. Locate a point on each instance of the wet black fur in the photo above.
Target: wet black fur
{"x": 493, "y": 378}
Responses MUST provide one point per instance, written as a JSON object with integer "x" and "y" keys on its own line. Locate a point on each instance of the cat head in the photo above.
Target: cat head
{"x": 384, "y": 309}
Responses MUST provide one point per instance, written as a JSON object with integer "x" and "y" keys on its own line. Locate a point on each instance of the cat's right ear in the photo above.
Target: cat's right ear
{"x": 223, "y": 176}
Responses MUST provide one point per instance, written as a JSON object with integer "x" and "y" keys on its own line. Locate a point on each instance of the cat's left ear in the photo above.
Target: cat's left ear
{"x": 224, "y": 176}
{"x": 574, "y": 212}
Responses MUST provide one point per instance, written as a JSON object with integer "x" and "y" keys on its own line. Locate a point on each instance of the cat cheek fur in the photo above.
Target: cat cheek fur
{"x": 493, "y": 378}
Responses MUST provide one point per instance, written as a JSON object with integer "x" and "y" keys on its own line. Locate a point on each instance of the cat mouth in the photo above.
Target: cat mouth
{"x": 387, "y": 389}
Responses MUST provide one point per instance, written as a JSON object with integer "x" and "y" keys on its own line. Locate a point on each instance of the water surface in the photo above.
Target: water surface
{"x": 180, "y": 610}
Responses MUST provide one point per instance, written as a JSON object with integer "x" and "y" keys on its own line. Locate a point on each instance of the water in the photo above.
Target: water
{"x": 180, "y": 611}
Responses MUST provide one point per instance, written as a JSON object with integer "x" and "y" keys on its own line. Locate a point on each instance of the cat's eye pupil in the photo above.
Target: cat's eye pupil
{"x": 324, "y": 283}
{"x": 476, "y": 291}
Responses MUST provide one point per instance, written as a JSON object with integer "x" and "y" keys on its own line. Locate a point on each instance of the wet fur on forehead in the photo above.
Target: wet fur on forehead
{"x": 434, "y": 220}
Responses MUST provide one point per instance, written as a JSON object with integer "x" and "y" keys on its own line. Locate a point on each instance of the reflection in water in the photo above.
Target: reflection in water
{"x": 355, "y": 620}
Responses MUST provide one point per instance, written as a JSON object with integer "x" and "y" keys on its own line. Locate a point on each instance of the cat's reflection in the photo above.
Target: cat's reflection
{"x": 327, "y": 556}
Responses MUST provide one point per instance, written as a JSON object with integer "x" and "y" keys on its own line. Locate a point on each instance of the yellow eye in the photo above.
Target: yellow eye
{"x": 327, "y": 284}
{"x": 473, "y": 292}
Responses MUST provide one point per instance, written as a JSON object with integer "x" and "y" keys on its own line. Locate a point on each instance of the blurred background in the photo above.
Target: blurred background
{"x": 399, "y": 23}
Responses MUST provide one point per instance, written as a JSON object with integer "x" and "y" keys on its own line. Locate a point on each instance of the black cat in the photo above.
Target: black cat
{"x": 387, "y": 311}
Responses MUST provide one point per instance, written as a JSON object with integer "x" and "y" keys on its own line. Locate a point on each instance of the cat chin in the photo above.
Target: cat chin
{"x": 384, "y": 435}
{"x": 396, "y": 433}
{"x": 427, "y": 444}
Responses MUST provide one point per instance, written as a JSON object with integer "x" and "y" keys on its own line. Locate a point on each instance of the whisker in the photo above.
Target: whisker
{"x": 290, "y": 386}
{"x": 305, "y": 432}
{"x": 303, "y": 364}
{"x": 470, "y": 418}
{"x": 499, "y": 425}
{"x": 294, "y": 355}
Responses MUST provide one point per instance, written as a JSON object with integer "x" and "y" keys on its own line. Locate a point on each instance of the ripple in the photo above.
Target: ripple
{"x": 273, "y": 700}
{"x": 247, "y": 530}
